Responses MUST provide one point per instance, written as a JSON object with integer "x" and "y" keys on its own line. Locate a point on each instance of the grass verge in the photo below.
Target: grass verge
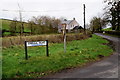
{"x": 79, "y": 52}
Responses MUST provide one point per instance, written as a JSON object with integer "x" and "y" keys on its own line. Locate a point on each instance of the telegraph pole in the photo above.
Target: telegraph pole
{"x": 84, "y": 17}
{"x": 20, "y": 14}
{"x": 118, "y": 13}
{"x": 22, "y": 26}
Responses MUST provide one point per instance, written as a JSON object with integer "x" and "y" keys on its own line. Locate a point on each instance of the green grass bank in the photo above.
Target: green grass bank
{"x": 79, "y": 52}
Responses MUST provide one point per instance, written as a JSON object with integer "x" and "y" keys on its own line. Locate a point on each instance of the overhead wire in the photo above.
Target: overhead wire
{"x": 40, "y": 11}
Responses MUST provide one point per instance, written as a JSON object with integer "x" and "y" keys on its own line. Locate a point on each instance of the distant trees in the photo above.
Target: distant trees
{"x": 31, "y": 26}
{"x": 112, "y": 13}
{"x": 20, "y": 27}
{"x": 37, "y": 25}
{"x": 16, "y": 27}
{"x": 13, "y": 26}
{"x": 43, "y": 24}
{"x": 97, "y": 23}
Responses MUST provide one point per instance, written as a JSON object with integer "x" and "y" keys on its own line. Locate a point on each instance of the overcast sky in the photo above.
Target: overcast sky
{"x": 55, "y": 8}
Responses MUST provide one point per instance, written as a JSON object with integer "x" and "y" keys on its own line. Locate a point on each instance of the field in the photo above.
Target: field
{"x": 79, "y": 52}
{"x": 108, "y": 29}
{"x": 14, "y": 28}
{"x": 6, "y": 26}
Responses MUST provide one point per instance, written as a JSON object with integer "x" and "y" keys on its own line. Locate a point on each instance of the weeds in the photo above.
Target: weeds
{"x": 58, "y": 38}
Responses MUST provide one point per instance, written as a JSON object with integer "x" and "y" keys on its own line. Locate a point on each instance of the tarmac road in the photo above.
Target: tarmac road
{"x": 106, "y": 68}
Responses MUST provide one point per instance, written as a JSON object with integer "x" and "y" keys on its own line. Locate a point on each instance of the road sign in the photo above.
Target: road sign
{"x": 37, "y": 43}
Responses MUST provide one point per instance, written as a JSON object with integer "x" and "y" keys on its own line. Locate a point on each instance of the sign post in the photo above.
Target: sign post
{"x": 26, "y": 56}
{"x": 37, "y": 43}
{"x": 47, "y": 52}
{"x": 64, "y": 35}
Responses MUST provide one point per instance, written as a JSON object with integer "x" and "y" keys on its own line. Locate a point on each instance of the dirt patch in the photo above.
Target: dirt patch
{"x": 110, "y": 44}
{"x": 100, "y": 56}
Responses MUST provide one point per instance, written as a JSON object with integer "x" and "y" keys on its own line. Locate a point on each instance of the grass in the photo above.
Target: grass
{"x": 7, "y": 33}
{"x": 79, "y": 52}
{"x": 107, "y": 29}
{"x": 6, "y": 25}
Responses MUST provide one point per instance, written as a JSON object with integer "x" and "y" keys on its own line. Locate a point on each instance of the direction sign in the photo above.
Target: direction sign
{"x": 38, "y": 43}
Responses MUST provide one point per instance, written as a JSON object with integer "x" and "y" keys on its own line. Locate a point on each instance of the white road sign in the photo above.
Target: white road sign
{"x": 38, "y": 43}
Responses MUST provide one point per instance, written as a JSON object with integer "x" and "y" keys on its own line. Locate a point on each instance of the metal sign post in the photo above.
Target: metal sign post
{"x": 26, "y": 56}
{"x": 47, "y": 52}
{"x": 37, "y": 43}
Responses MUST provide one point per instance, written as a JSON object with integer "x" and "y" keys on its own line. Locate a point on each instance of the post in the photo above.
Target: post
{"x": 118, "y": 13}
{"x": 84, "y": 17}
{"x": 26, "y": 56}
{"x": 64, "y": 34}
{"x": 47, "y": 51}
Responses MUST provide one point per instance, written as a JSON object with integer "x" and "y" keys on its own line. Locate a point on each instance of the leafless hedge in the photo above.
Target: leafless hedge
{"x": 58, "y": 38}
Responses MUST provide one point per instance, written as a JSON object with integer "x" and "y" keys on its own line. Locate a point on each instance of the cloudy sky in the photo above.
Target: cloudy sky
{"x": 55, "y": 8}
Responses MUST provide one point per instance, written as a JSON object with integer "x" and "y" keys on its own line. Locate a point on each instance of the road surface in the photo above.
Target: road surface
{"x": 106, "y": 68}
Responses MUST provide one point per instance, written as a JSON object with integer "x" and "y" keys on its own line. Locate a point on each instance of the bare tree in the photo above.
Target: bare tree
{"x": 43, "y": 24}
{"x": 21, "y": 21}
{"x": 112, "y": 12}
{"x": 97, "y": 23}
{"x": 13, "y": 26}
{"x": 31, "y": 26}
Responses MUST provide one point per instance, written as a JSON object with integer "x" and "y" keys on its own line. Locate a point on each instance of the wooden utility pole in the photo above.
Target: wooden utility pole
{"x": 21, "y": 26}
{"x": 84, "y": 17}
{"x": 118, "y": 14}
{"x": 20, "y": 14}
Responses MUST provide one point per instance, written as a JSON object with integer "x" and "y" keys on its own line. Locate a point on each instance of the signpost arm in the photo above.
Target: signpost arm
{"x": 26, "y": 56}
{"x": 47, "y": 51}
